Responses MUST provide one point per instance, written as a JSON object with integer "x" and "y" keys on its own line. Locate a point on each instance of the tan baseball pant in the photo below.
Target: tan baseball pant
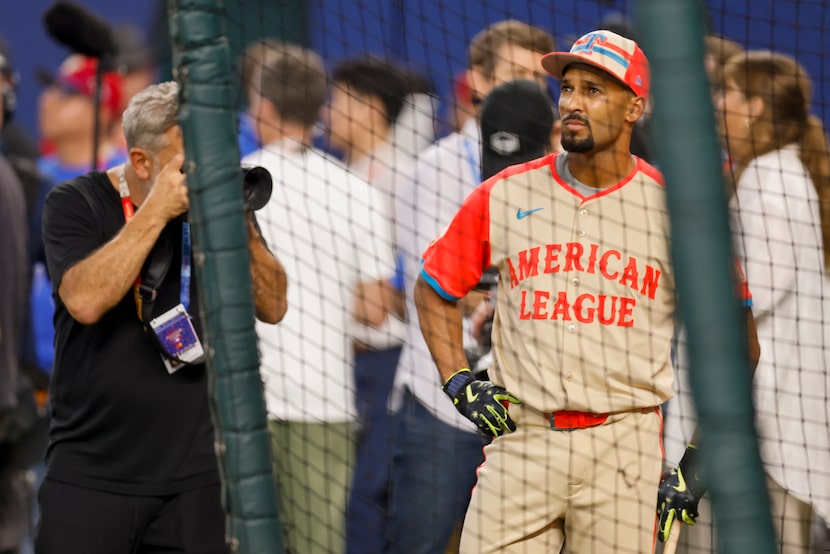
{"x": 585, "y": 491}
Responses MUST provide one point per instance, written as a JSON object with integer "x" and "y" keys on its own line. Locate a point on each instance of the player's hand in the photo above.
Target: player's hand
{"x": 168, "y": 198}
{"x": 481, "y": 402}
{"x": 679, "y": 493}
{"x": 674, "y": 500}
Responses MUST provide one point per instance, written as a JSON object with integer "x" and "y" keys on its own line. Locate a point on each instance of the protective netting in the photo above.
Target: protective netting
{"x": 377, "y": 121}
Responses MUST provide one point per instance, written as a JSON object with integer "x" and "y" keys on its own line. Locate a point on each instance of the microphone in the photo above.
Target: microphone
{"x": 80, "y": 30}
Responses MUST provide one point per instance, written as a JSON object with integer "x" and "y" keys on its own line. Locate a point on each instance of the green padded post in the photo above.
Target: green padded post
{"x": 690, "y": 158}
{"x": 209, "y": 93}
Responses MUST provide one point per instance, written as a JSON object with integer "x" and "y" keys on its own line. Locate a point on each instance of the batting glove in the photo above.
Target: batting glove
{"x": 679, "y": 493}
{"x": 481, "y": 402}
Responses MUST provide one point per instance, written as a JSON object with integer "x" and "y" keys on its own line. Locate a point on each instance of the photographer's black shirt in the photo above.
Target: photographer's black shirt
{"x": 120, "y": 422}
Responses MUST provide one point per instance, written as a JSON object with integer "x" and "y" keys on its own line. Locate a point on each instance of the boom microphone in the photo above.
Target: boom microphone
{"x": 80, "y": 30}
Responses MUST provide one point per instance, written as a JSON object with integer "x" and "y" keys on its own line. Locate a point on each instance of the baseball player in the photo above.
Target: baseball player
{"x": 583, "y": 326}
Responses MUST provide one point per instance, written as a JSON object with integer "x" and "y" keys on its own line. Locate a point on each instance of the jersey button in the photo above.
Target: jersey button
{"x": 580, "y": 233}
{"x": 571, "y": 328}
{"x": 569, "y": 376}
{"x": 575, "y": 281}
{"x": 583, "y": 212}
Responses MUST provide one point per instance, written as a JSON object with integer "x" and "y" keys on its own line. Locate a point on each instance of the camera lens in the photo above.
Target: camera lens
{"x": 256, "y": 186}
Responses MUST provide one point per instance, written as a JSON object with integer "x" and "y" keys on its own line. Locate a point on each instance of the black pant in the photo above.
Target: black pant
{"x": 76, "y": 520}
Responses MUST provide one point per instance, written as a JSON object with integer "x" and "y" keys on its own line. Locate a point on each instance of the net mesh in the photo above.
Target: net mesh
{"x": 365, "y": 113}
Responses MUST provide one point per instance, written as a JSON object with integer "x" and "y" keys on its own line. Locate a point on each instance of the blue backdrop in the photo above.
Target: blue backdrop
{"x": 432, "y": 35}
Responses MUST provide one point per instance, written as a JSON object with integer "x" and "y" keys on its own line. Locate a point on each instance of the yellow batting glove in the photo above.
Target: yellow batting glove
{"x": 482, "y": 402}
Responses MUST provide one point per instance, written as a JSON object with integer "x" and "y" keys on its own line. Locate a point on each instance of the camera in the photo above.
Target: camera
{"x": 256, "y": 186}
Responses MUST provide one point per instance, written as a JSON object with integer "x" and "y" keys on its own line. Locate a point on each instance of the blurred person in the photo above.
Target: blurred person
{"x": 461, "y": 104}
{"x": 517, "y": 122}
{"x": 368, "y": 95}
{"x": 576, "y": 454}
{"x": 415, "y": 125}
{"x": 130, "y": 463}
{"x": 249, "y": 64}
{"x": 781, "y": 208}
{"x": 23, "y": 456}
{"x": 66, "y": 119}
{"x": 718, "y": 51}
{"x": 17, "y": 409}
{"x": 436, "y": 450}
{"x": 134, "y": 63}
{"x": 335, "y": 238}
{"x": 22, "y": 153}
{"x": 17, "y": 142}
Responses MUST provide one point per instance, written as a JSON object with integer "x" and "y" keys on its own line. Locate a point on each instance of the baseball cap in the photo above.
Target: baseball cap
{"x": 77, "y": 73}
{"x": 516, "y": 122}
{"x": 606, "y": 50}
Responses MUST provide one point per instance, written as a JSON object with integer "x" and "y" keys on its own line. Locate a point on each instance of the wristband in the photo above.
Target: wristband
{"x": 457, "y": 381}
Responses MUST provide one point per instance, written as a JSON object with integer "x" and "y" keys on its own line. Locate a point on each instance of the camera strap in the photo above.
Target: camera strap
{"x": 149, "y": 280}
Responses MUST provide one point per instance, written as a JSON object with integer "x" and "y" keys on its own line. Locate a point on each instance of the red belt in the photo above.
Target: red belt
{"x": 565, "y": 420}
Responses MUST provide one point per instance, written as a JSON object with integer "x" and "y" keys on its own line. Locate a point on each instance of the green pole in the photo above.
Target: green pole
{"x": 209, "y": 93}
{"x": 720, "y": 377}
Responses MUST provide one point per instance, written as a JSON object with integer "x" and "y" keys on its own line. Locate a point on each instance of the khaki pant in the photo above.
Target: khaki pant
{"x": 584, "y": 491}
{"x": 313, "y": 467}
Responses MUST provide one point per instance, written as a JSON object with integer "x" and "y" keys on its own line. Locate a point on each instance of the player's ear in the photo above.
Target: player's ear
{"x": 756, "y": 108}
{"x": 141, "y": 162}
{"x": 635, "y": 109}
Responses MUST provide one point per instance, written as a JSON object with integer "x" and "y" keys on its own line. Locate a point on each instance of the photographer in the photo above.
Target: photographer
{"x": 130, "y": 461}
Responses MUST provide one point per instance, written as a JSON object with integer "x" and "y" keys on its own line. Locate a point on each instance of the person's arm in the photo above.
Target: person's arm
{"x": 753, "y": 345}
{"x": 482, "y": 402}
{"x": 96, "y": 284}
{"x": 374, "y": 301}
{"x": 268, "y": 278}
{"x": 440, "y": 322}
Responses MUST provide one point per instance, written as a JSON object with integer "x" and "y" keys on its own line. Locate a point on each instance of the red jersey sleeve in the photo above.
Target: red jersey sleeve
{"x": 454, "y": 262}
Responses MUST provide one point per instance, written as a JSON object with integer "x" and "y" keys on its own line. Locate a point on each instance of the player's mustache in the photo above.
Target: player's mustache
{"x": 574, "y": 117}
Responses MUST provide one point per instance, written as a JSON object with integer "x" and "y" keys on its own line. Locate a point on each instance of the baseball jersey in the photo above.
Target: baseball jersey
{"x": 586, "y": 296}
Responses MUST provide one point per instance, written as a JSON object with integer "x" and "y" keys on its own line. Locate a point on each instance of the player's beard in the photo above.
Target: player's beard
{"x": 571, "y": 143}
{"x": 577, "y": 145}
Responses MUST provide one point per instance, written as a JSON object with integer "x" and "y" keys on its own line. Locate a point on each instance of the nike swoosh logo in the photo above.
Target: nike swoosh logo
{"x": 523, "y": 214}
{"x": 471, "y": 397}
{"x": 681, "y": 483}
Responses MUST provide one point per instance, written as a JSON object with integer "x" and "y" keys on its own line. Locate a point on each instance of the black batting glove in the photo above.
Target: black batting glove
{"x": 679, "y": 493}
{"x": 481, "y": 402}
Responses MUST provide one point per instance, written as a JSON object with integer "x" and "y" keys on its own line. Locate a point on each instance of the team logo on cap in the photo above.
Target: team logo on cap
{"x": 598, "y": 43}
{"x": 504, "y": 143}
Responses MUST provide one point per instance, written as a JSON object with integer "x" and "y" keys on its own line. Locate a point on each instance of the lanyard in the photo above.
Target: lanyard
{"x": 472, "y": 160}
{"x": 129, "y": 212}
{"x": 184, "y": 290}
